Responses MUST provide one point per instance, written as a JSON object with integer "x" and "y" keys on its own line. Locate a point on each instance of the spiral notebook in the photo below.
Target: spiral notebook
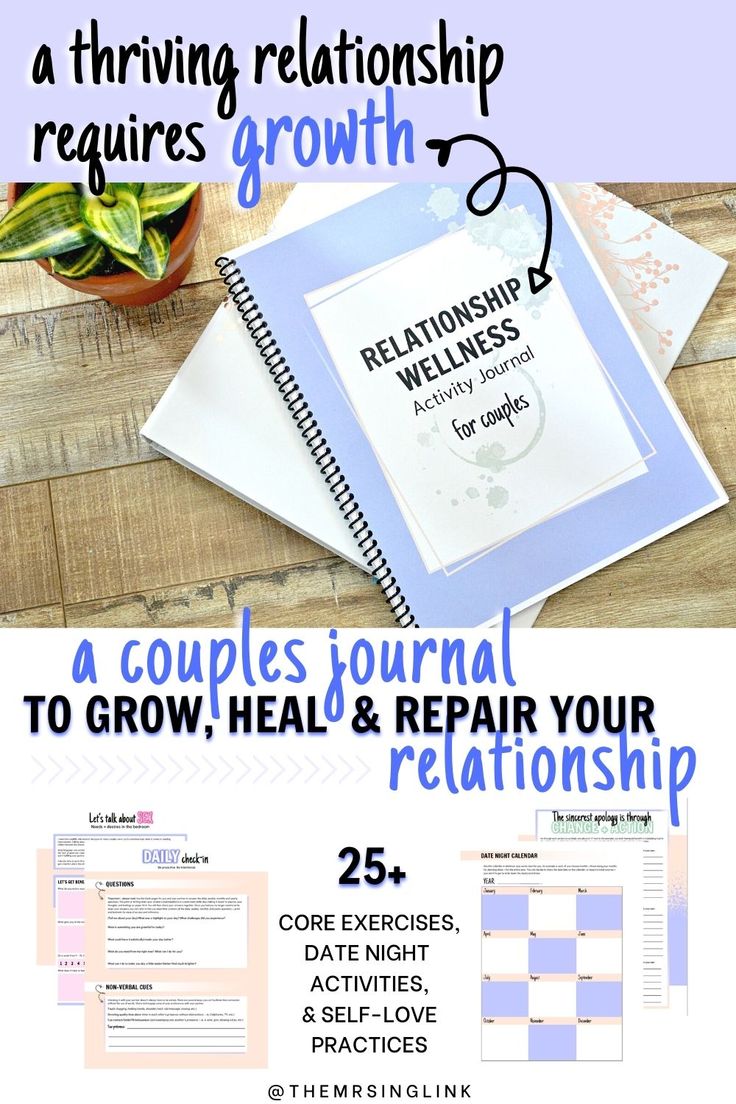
{"x": 222, "y": 417}
{"x": 485, "y": 446}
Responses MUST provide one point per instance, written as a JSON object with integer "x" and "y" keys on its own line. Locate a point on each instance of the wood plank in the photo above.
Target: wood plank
{"x": 156, "y": 525}
{"x": 330, "y": 594}
{"x": 78, "y": 382}
{"x": 26, "y": 287}
{"x": 685, "y": 580}
{"x": 43, "y": 617}
{"x": 227, "y": 224}
{"x": 641, "y": 194}
{"x": 706, "y": 397}
{"x": 29, "y": 574}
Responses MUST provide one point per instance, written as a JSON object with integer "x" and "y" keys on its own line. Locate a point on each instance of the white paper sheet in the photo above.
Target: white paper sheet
{"x": 222, "y": 417}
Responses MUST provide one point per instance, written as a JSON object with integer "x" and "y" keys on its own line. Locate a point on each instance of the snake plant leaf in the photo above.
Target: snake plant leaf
{"x": 80, "y": 263}
{"x": 44, "y": 222}
{"x": 156, "y": 201}
{"x": 114, "y": 217}
{"x": 36, "y": 192}
{"x": 124, "y": 189}
{"x": 153, "y": 257}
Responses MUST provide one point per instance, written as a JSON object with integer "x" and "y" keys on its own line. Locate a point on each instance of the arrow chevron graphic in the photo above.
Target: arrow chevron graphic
{"x": 195, "y": 771}
{"x": 246, "y": 769}
{"x": 279, "y": 771}
{"x": 264, "y": 770}
{"x": 161, "y": 769}
{"x": 179, "y": 769}
{"x": 110, "y": 769}
{"x": 271, "y": 769}
{"x": 297, "y": 769}
{"x": 366, "y": 771}
{"x": 144, "y": 770}
{"x": 332, "y": 771}
{"x": 92, "y": 770}
{"x": 59, "y": 769}
{"x": 210, "y": 772}
{"x": 348, "y": 771}
{"x": 315, "y": 769}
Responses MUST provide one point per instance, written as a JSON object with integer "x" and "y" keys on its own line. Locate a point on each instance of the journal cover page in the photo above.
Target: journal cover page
{"x": 465, "y": 377}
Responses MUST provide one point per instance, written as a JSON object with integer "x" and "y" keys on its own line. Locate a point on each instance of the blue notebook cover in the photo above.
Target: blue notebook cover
{"x": 499, "y": 445}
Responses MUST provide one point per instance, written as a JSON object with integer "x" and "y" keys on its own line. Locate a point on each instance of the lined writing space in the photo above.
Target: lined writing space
{"x": 655, "y": 985}
{"x": 170, "y": 1025}
{"x": 158, "y": 931}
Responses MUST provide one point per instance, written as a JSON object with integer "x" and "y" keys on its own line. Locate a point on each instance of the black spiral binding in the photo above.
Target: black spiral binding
{"x": 244, "y": 301}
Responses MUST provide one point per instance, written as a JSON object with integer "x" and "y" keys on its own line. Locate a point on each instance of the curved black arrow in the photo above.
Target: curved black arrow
{"x": 538, "y": 276}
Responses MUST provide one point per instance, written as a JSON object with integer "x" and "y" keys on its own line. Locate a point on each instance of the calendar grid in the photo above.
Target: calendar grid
{"x": 551, "y": 962}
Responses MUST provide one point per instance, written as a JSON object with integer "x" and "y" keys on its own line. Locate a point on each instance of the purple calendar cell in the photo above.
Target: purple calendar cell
{"x": 552, "y": 956}
{"x": 505, "y": 912}
{"x": 505, "y": 998}
{"x": 599, "y": 998}
{"x": 552, "y": 1042}
{"x": 599, "y": 912}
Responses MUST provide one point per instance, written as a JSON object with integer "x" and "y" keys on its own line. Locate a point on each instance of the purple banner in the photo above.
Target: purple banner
{"x": 573, "y": 90}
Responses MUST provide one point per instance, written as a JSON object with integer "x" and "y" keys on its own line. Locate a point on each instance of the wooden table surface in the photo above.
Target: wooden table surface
{"x": 97, "y": 530}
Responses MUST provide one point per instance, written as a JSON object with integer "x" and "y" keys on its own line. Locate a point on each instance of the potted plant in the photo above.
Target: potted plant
{"x": 132, "y": 245}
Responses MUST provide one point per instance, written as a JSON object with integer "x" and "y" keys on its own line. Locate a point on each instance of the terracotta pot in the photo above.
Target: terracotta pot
{"x": 128, "y": 289}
